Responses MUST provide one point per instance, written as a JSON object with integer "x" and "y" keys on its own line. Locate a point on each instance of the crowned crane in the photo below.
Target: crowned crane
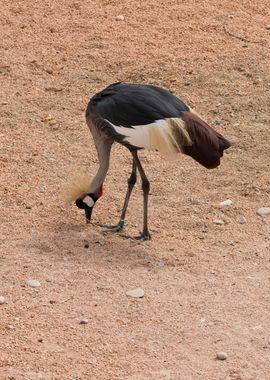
{"x": 144, "y": 117}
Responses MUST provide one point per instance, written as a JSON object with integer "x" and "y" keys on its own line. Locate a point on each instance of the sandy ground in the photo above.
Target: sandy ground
{"x": 206, "y": 286}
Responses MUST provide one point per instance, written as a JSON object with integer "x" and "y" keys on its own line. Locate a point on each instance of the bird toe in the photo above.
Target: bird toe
{"x": 112, "y": 228}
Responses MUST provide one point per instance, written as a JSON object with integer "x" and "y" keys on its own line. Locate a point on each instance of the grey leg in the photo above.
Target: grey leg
{"x": 131, "y": 183}
{"x": 144, "y": 235}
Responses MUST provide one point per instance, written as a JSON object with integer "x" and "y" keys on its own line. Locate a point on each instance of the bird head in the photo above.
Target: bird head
{"x": 87, "y": 201}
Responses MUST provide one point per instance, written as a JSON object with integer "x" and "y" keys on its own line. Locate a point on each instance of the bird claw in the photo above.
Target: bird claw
{"x": 143, "y": 236}
{"x": 112, "y": 228}
{"x": 140, "y": 239}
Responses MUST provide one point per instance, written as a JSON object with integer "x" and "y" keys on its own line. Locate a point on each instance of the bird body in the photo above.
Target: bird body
{"x": 145, "y": 117}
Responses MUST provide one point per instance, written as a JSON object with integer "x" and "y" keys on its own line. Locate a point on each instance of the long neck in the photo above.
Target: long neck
{"x": 103, "y": 149}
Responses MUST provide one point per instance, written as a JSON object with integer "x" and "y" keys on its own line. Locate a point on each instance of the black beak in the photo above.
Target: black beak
{"x": 88, "y": 210}
{"x": 88, "y": 213}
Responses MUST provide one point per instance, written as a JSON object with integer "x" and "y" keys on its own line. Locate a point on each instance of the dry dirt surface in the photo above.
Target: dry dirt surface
{"x": 206, "y": 285}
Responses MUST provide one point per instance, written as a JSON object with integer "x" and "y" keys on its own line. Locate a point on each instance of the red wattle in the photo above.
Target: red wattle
{"x": 100, "y": 191}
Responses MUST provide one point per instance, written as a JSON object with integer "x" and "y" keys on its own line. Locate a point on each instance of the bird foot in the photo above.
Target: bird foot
{"x": 143, "y": 236}
{"x": 112, "y": 228}
{"x": 140, "y": 239}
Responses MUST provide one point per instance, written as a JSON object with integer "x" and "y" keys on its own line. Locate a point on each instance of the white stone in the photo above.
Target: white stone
{"x": 33, "y": 283}
{"x": 218, "y": 222}
{"x": 135, "y": 293}
{"x": 227, "y": 202}
{"x": 120, "y": 18}
{"x": 84, "y": 321}
{"x": 263, "y": 211}
{"x": 2, "y": 300}
{"x": 222, "y": 355}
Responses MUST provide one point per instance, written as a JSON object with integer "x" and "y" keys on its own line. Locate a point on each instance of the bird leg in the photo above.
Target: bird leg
{"x": 144, "y": 235}
{"x": 121, "y": 224}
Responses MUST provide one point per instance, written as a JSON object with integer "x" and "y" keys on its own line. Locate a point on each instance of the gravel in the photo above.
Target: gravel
{"x": 2, "y": 300}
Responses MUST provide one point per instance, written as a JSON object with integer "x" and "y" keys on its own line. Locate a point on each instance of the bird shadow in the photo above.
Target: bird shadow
{"x": 88, "y": 244}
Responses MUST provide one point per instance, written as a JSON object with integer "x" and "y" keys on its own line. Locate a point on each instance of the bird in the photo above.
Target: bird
{"x": 143, "y": 116}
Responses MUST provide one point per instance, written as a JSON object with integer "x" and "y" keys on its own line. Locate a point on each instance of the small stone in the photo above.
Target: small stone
{"x": 86, "y": 245}
{"x": 267, "y": 26}
{"x": 10, "y": 327}
{"x": 42, "y": 189}
{"x": 49, "y": 70}
{"x": 84, "y": 321}
{"x": 53, "y": 89}
{"x": 257, "y": 81}
{"x": 222, "y": 355}
{"x": 218, "y": 222}
{"x": 47, "y": 118}
{"x": 33, "y": 283}
{"x": 2, "y": 300}
{"x": 227, "y": 202}
{"x": 120, "y": 18}
{"x": 263, "y": 211}
{"x": 135, "y": 293}
{"x": 40, "y": 340}
{"x": 242, "y": 219}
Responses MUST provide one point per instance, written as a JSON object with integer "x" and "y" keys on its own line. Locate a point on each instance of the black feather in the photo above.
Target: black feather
{"x": 129, "y": 105}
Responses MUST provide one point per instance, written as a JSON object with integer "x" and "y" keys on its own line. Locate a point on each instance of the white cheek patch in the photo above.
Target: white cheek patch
{"x": 88, "y": 201}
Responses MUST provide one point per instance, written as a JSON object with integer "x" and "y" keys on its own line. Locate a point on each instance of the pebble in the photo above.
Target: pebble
{"x": 218, "y": 222}
{"x": 54, "y": 89}
{"x": 2, "y": 300}
{"x": 10, "y": 327}
{"x": 222, "y": 355}
{"x": 120, "y": 18}
{"x": 33, "y": 283}
{"x": 263, "y": 211}
{"x": 47, "y": 118}
{"x": 267, "y": 26}
{"x": 242, "y": 219}
{"x": 135, "y": 293}
{"x": 84, "y": 321}
{"x": 49, "y": 70}
{"x": 227, "y": 202}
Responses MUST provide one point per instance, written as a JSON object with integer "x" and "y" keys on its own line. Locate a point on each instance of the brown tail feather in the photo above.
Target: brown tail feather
{"x": 207, "y": 144}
